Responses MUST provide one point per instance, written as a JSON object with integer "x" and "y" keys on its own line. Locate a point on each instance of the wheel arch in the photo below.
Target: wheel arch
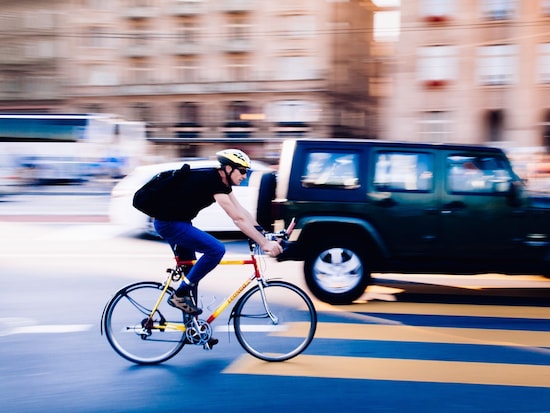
{"x": 328, "y": 227}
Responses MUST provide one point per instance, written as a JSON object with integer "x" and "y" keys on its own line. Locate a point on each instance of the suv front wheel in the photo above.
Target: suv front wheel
{"x": 336, "y": 274}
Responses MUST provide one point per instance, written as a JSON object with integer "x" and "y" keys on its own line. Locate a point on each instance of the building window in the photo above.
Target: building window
{"x": 140, "y": 72}
{"x": 495, "y": 125}
{"x": 293, "y": 111}
{"x": 40, "y": 86}
{"x": 187, "y": 70}
{"x": 187, "y": 32}
{"x": 295, "y": 68}
{"x": 292, "y": 118}
{"x": 12, "y": 84}
{"x": 139, "y": 32}
{"x": 41, "y": 48}
{"x": 189, "y": 112}
{"x": 435, "y": 126}
{"x": 437, "y": 65}
{"x": 544, "y": 63}
{"x": 142, "y": 112}
{"x": 238, "y": 28}
{"x": 497, "y": 64}
{"x": 387, "y": 26}
{"x": 237, "y": 126}
{"x": 498, "y": 9}
{"x": 102, "y": 75}
{"x": 437, "y": 10}
{"x": 238, "y": 69}
{"x": 97, "y": 38}
{"x": 188, "y": 125}
{"x": 299, "y": 25}
{"x": 40, "y": 20}
{"x": 236, "y": 109}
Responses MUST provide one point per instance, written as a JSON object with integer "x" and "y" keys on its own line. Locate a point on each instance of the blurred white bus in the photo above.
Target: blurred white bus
{"x": 70, "y": 147}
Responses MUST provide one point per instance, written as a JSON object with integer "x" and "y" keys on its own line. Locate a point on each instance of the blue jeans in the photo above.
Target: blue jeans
{"x": 189, "y": 240}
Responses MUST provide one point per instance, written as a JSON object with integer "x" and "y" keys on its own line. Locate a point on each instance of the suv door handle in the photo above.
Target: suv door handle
{"x": 453, "y": 207}
{"x": 386, "y": 203}
{"x": 382, "y": 199}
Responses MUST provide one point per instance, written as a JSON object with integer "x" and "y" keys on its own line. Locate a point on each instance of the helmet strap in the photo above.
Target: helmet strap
{"x": 228, "y": 174}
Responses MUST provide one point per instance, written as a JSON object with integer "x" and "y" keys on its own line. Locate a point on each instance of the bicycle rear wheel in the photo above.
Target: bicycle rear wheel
{"x": 132, "y": 334}
{"x": 279, "y": 328}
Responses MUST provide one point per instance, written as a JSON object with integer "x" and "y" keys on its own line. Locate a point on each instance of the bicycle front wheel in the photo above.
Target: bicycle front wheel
{"x": 275, "y": 322}
{"x": 136, "y": 336}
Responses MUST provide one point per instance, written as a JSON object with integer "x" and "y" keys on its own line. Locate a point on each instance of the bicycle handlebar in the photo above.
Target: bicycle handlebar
{"x": 281, "y": 236}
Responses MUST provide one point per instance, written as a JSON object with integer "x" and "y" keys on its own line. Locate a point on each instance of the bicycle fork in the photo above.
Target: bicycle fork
{"x": 274, "y": 318}
{"x": 261, "y": 282}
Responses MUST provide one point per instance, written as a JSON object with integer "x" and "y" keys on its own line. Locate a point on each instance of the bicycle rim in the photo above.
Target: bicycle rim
{"x": 124, "y": 320}
{"x": 280, "y": 339}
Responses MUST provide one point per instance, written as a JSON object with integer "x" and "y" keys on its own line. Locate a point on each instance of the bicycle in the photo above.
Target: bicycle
{"x": 274, "y": 320}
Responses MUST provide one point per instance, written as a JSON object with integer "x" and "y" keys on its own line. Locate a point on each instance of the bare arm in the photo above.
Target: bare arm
{"x": 246, "y": 223}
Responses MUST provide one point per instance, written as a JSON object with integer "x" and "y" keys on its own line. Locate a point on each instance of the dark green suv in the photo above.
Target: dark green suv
{"x": 375, "y": 206}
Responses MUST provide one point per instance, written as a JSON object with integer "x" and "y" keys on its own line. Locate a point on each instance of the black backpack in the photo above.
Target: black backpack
{"x": 155, "y": 196}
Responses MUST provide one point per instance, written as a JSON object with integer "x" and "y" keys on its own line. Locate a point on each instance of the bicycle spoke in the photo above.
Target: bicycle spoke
{"x": 136, "y": 337}
{"x": 275, "y": 324}
{"x": 141, "y": 308}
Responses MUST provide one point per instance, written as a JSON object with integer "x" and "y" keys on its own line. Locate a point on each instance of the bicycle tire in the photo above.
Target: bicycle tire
{"x": 281, "y": 340}
{"x": 123, "y": 320}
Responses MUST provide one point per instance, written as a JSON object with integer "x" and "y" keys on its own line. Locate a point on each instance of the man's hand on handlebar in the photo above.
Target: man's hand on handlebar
{"x": 272, "y": 248}
{"x": 277, "y": 241}
{"x": 275, "y": 244}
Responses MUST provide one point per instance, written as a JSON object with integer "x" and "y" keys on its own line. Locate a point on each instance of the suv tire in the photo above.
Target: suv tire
{"x": 337, "y": 273}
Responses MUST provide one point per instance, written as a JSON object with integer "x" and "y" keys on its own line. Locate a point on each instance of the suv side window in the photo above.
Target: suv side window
{"x": 331, "y": 170}
{"x": 477, "y": 174}
{"x": 403, "y": 171}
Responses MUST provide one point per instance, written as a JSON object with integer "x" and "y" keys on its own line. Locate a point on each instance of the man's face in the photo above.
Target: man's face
{"x": 237, "y": 175}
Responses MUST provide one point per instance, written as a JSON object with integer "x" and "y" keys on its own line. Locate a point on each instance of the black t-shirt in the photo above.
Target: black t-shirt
{"x": 196, "y": 193}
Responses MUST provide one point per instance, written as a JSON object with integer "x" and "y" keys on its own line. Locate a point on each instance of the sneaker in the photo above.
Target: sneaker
{"x": 211, "y": 343}
{"x": 185, "y": 304}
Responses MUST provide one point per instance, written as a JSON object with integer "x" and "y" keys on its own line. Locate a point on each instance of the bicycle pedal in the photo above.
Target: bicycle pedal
{"x": 210, "y": 343}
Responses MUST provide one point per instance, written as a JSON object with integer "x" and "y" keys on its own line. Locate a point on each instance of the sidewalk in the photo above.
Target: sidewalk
{"x": 96, "y": 187}
{"x": 85, "y": 202}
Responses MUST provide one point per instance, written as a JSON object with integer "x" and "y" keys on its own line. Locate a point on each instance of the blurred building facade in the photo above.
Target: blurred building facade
{"x": 201, "y": 73}
{"x": 208, "y": 73}
{"x": 472, "y": 71}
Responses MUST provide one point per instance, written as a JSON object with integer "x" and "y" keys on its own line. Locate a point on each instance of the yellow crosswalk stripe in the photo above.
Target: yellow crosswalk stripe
{"x": 398, "y": 370}
{"x": 367, "y": 322}
{"x": 348, "y": 331}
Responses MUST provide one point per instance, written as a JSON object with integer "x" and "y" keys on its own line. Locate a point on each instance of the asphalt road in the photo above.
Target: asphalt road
{"x": 415, "y": 343}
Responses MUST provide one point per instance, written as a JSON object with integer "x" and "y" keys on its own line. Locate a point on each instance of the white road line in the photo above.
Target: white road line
{"x": 13, "y": 325}
{"x": 84, "y": 233}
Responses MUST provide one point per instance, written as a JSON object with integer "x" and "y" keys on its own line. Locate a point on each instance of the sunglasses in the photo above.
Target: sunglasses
{"x": 243, "y": 171}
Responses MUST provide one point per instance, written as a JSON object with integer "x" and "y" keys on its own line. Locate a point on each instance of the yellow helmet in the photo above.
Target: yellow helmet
{"x": 234, "y": 157}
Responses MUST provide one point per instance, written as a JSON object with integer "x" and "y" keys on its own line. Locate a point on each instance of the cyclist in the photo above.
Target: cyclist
{"x": 205, "y": 187}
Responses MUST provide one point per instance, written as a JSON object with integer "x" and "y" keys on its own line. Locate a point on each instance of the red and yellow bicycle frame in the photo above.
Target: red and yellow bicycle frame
{"x": 220, "y": 309}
